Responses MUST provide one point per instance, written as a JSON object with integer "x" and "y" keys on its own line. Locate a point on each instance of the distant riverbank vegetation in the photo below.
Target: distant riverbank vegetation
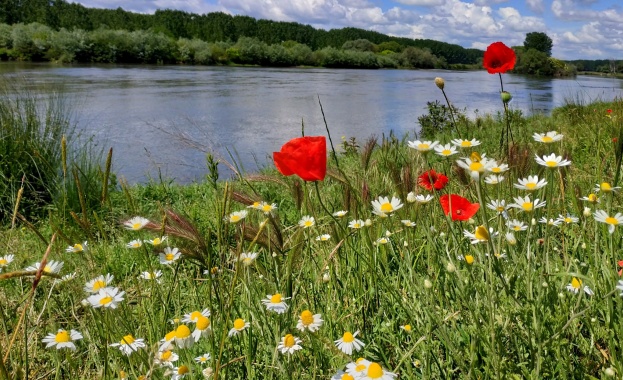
{"x": 58, "y": 31}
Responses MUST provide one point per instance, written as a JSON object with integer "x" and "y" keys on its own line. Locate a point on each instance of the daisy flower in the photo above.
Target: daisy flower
{"x": 239, "y": 326}
{"x": 357, "y": 368}
{"x": 275, "y": 303}
{"x": 480, "y": 235}
{"x": 156, "y": 241}
{"x": 62, "y": 339}
{"x": 166, "y": 343}
{"x": 166, "y": 358}
{"x": 498, "y": 205}
{"x": 465, "y": 143}
{"x": 382, "y": 240}
{"x": 340, "y": 213}
{"x": 356, "y": 224}
{"x": 496, "y": 168}
{"x": 517, "y": 225}
{"x": 247, "y": 258}
{"x": 6, "y": 260}
{"x": 383, "y": 206}
{"x": 407, "y": 223}
{"x": 183, "y": 337}
{"x": 476, "y": 165}
{"x": 324, "y": 237}
{"x": 193, "y": 316}
{"x": 67, "y": 277}
{"x": 203, "y": 358}
{"x": 129, "y": 344}
{"x": 136, "y": 223}
{"x": 50, "y": 267}
{"x": 611, "y": 221}
{"x": 531, "y": 183}
{"x": 548, "y": 137}
{"x": 77, "y": 248}
{"x": 606, "y": 187}
{"x": 169, "y": 256}
{"x": 552, "y": 161}
{"x": 422, "y": 146}
{"x": 267, "y": 208}
{"x": 101, "y": 282}
{"x": 236, "y": 216}
{"x": 151, "y": 275}
{"x": 309, "y": 321}
{"x": 494, "y": 179}
{"x": 525, "y": 204}
{"x": 510, "y": 238}
{"x": 180, "y": 372}
{"x": 576, "y": 285}
{"x": 422, "y": 199}
{"x": 341, "y": 375}
{"x": 348, "y": 342}
{"x": 406, "y": 328}
{"x": 376, "y": 372}
{"x": 106, "y": 298}
{"x": 136, "y": 243}
{"x": 550, "y": 221}
{"x": 289, "y": 344}
{"x": 445, "y": 150}
{"x": 307, "y": 221}
{"x": 569, "y": 219}
{"x": 591, "y": 198}
{"x": 202, "y": 328}
{"x": 255, "y": 205}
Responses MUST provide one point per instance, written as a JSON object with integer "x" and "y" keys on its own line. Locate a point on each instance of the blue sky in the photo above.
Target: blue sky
{"x": 580, "y": 29}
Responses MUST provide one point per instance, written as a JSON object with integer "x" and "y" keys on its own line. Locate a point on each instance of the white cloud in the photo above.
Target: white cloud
{"x": 426, "y": 3}
{"x": 536, "y": 6}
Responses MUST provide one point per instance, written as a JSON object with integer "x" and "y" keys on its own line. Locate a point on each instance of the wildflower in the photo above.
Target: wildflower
{"x": 499, "y": 58}
{"x": 531, "y": 183}
{"x": 548, "y": 137}
{"x": 62, "y": 339}
{"x": 202, "y": 328}
{"x": 476, "y": 165}
{"x": 136, "y": 223}
{"x": 169, "y": 256}
{"x": 383, "y": 206}
{"x": 406, "y": 328}
{"x": 611, "y": 221}
{"x": 51, "y": 266}
{"x": 422, "y": 146}
{"x": 151, "y": 275}
{"x": 368, "y": 222}
{"x": 550, "y": 221}
{"x": 183, "y": 337}
{"x": 525, "y": 204}
{"x": 480, "y": 234}
{"x": 407, "y": 223}
{"x": 166, "y": 343}
{"x": 341, "y": 375}
{"x": 106, "y": 298}
{"x": 323, "y": 237}
{"x": 77, "y": 248}
{"x": 432, "y": 179}
{"x": 6, "y": 260}
{"x": 203, "y": 358}
{"x": 465, "y": 143}
{"x": 256, "y": 205}
{"x": 194, "y": 316}
{"x": 606, "y": 188}
{"x": 307, "y": 221}
{"x": 356, "y": 224}
{"x": 179, "y": 372}
{"x": 423, "y": 199}
{"x": 239, "y": 326}
{"x": 166, "y": 358}
{"x": 101, "y": 282}
{"x": 340, "y": 213}
{"x": 516, "y": 225}
{"x": 129, "y": 344}
{"x": 510, "y": 238}
{"x": 496, "y": 168}
{"x": 348, "y": 342}
{"x": 494, "y": 179}
{"x": 445, "y": 150}
{"x": 498, "y": 205}
{"x": 376, "y": 372}
{"x": 289, "y": 344}
{"x": 156, "y": 241}
{"x": 575, "y": 286}
{"x": 237, "y": 216}
{"x": 136, "y": 243}
{"x": 304, "y": 156}
{"x": 469, "y": 259}
{"x": 357, "y": 368}
{"x": 552, "y": 161}
{"x": 68, "y": 277}
{"x": 458, "y": 207}
{"x": 275, "y": 303}
{"x": 382, "y": 240}
{"x": 440, "y": 83}
{"x": 267, "y": 208}
{"x": 309, "y": 321}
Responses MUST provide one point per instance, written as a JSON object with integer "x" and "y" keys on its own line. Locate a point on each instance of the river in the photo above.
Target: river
{"x": 162, "y": 119}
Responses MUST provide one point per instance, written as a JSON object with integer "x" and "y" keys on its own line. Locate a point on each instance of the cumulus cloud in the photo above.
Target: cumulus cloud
{"x": 536, "y": 6}
{"x": 424, "y": 3}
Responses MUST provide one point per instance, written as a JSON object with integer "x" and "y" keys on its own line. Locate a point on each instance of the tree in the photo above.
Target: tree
{"x": 538, "y": 41}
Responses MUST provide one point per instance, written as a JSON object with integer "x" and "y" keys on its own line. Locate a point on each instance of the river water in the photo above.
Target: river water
{"x": 162, "y": 119}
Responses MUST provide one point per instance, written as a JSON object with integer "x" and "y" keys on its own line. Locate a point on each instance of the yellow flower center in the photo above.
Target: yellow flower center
{"x": 128, "y": 339}
{"x": 375, "y": 371}
{"x": 530, "y": 185}
{"x": 407, "y": 328}
{"x": 547, "y": 139}
{"x": 387, "y": 207}
{"x": 182, "y": 332}
{"x": 611, "y": 220}
{"x": 592, "y": 198}
{"x": 423, "y": 146}
{"x": 77, "y": 247}
{"x": 169, "y": 256}
{"x": 234, "y": 218}
{"x": 166, "y": 355}
{"x": 3, "y": 262}
{"x": 347, "y": 377}
{"x": 551, "y": 164}
{"x": 576, "y": 283}
{"x": 356, "y": 225}
{"x": 276, "y": 298}
{"x": 469, "y": 259}
{"x": 517, "y": 228}
{"x": 500, "y": 208}
{"x": 239, "y": 324}
{"x": 476, "y": 166}
{"x": 136, "y": 226}
{"x": 348, "y": 337}
{"x": 62, "y": 337}
{"x": 466, "y": 144}
{"x": 482, "y": 233}
{"x": 307, "y": 318}
{"x": 99, "y": 284}
{"x": 446, "y": 152}
{"x": 203, "y": 323}
{"x": 267, "y": 208}
{"x": 156, "y": 241}
{"x": 288, "y": 340}
{"x": 527, "y": 206}
{"x": 195, "y": 315}
{"x": 47, "y": 269}
{"x": 169, "y": 336}
{"x": 568, "y": 220}
{"x": 106, "y": 300}
{"x": 308, "y": 223}
{"x": 496, "y": 170}
{"x": 605, "y": 186}
{"x": 182, "y": 370}
{"x": 360, "y": 367}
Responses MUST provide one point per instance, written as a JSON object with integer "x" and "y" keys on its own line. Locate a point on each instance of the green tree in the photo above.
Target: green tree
{"x": 539, "y": 41}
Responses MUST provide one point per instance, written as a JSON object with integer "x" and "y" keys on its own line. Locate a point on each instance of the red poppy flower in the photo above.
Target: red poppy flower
{"x": 459, "y": 207}
{"x": 499, "y": 58}
{"x": 431, "y": 179}
{"x": 304, "y": 156}
{"x": 620, "y": 264}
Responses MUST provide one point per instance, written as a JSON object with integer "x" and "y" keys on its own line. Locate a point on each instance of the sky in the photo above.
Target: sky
{"x": 580, "y": 29}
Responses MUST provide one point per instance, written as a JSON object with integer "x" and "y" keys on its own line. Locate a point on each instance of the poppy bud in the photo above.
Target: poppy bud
{"x": 506, "y": 96}
{"x": 440, "y": 82}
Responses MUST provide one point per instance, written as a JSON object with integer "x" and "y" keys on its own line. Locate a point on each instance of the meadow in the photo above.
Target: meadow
{"x": 487, "y": 248}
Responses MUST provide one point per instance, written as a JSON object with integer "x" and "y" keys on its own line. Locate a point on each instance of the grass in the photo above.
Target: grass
{"x": 426, "y": 302}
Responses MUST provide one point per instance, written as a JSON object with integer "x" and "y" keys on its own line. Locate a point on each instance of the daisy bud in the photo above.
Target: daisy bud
{"x": 428, "y": 284}
{"x": 583, "y": 245}
{"x": 610, "y": 372}
{"x": 533, "y": 222}
{"x": 417, "y": 363}
{"x": 587, "y": 212}
{"x": 326, "y": 277}
{"x": 506, "y": 96}
{"x": 367, "y": 223}
{"x": 593, "y": 320}
{"x": 440, "y": 82}
{"x": 405, "y": 243}
{"x": 471, "y": 221}
{"x": 544, "y": 284}
{"x": 207, "y": 373}
{"x": 274, "y": 254}
{"x": 450, "y": 267}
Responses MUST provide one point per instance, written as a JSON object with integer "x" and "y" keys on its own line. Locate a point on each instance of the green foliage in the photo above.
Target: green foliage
{"x": 539, "y": 41}
{"x": 359, "y": 45}
{"x": 420, "y": 58}
{"x": 438, "y": 119}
